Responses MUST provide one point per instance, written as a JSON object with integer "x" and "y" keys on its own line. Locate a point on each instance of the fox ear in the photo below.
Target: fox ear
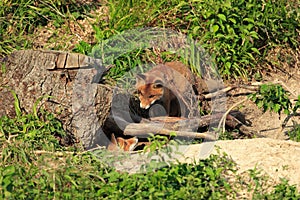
{"x": 140, "y": 77}
{"x": 121, "y": 142}
{"x": 113, "y": 139}
{"x": 113, "y": 145}
{"x": 157, "y": 84}
{"x": 131, "y": 144}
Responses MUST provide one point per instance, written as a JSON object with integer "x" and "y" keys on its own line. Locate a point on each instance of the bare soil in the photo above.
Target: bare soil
{"x": 272, "y": 151}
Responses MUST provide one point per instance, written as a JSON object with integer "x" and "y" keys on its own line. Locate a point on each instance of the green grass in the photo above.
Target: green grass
{"x": 19, "y": 19}
{"x": 28, "y": 174}
{"x": 294, "y": 133}
{"x": 237, "y": 34}
{"x": 34, "y": 165}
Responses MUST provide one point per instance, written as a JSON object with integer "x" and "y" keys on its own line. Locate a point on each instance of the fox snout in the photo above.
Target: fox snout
{"x": 149, "y": 94}
{"x": 146, "y": 105}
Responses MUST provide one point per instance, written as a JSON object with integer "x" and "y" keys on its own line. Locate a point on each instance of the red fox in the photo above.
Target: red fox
{"x": 120, "y": 143}
{"x": 168, "y": 84}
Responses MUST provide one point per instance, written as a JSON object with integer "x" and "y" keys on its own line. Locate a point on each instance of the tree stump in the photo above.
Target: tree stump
{"x": 34, "y": 74}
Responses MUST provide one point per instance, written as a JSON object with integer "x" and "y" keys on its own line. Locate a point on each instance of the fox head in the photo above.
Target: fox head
{"x": 127, "y": 144}
{"x": 121, "y": 143}
{"x": 150, "y": 89}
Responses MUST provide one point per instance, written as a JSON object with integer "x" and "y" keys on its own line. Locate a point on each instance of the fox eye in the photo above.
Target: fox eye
{"x": 157, "y": 85}
{"x": 151, "y": 96}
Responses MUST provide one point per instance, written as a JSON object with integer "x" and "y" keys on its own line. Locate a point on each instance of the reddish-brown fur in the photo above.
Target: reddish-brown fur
{"x": 165, "y": 82}
{"x": 122, "y": 144}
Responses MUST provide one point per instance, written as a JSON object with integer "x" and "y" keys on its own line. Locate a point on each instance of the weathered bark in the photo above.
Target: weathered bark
{"x": 33, "y": 74}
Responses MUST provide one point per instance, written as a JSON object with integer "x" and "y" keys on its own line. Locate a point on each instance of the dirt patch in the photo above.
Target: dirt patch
{"x": 71, "y": 33}
{"x": 267, "y": 124}
{"x": 271, "y": 151}
{"x": 276, "y": 158}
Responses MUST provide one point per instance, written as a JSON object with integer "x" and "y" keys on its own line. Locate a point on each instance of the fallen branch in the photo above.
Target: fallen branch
{"x": 184, "y": 127}
{"x": 229, "y": 88}
{"x": 224, "y": 117}
{"x": 231, "y": 121}
{"x": 144, "y": 130}
{"x": 57, "y": 153}
{"x": 175, "y": 123}
{"x": 286, "y": 120}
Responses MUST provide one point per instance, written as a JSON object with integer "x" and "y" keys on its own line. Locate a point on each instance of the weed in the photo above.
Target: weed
{"x": 29, "y": 169}
{"x": 294, "y": 133}
{"x": 281, "y": 191}
{"x": 227, "y": 135}
{"x": 296, "y": 107}
{"x": 272, "y": 97}
{"x": 195, "y": 181}
{"x": 38, "y": 128}
{"x": 20, "y": 18}
{"x": 236, "y": 33}
{"x": 83, "y": 48}
{"x": 285, "y": 191}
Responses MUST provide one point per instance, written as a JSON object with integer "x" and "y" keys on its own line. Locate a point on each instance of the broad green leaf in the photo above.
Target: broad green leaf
{"x": 277, "y": 108}
{"x": 255, "y": 50}
{"x": 9, "y": 170}
{"x": 215, "y": 28}
{"x": 249, "y": 20}
{"x": 232, "y": 20}
{"x": 222, "y": 17}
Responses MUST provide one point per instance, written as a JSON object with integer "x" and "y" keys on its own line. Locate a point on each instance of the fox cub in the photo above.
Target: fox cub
{"x": 120, "y": 143}
{"x": 168, "y": 85}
